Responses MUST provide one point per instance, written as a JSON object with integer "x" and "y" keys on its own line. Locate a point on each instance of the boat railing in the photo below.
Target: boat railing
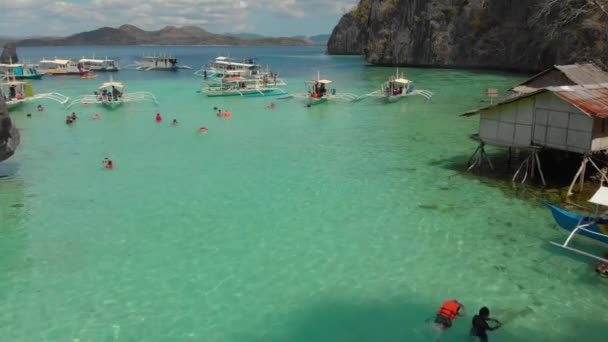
{"x": 128, "y": 97}
{"x": 57, "y": 97}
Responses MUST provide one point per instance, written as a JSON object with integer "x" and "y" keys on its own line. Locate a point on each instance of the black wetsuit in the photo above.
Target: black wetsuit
{"x": 480, "y": 326}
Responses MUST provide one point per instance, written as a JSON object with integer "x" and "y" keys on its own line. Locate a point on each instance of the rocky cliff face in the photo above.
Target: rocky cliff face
{"x": 504, "y": 34}
{"x": 9, "y": 135}
{"x": 9, "y": 54}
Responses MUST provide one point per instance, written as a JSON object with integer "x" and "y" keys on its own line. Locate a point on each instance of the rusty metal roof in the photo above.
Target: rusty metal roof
{"x": 592, "y": 101}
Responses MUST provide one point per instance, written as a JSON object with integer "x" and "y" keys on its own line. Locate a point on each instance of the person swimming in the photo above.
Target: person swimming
{"x": 40, "y": 108}
{"x": 159, "y": 118}
{"x": 109, "y": 164}
{"x": 203, "y": 130}
{"x": 602, "y": 267}
{"x": 480, "y": 324}
{"x": 227, "y": 113}
{"x": 220, "y": 114}
{"x": 73, "y": 116}
{"x": 69, "y": 120}
{"x": 174, "y": 122}
{"x": 96, "y": 117}
{"x": 447, "y": 313}
{"x": 29, "y": 115}
{"x": 271, "y": 106}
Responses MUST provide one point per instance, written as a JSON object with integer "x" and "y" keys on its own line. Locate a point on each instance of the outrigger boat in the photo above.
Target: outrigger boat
{"x": 17, "y": 92}
{"x": 223, "y": 67}
{"x": 112, "y": 94}
{"x": 61, "y": 67}
{"x": 593, "y": 227}
{"x": 317, "y": 92}
{"x": 244, "y": 86}
{"x": 22, "y": 71}
{"x": 93, "y": 64}
{"x": 396, "y": 88}
{"x": 157, "y": 62}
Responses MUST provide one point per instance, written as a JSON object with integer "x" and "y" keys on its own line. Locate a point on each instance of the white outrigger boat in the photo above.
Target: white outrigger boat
{"x": 157, "y": 62}
{"x": 317, "y": 92}
{"x": 244, "y": 86}
{"x": 112, "y": 94}
{"x": 18, "y": 92}
{"x": 593, "y": 227}
{"x": 62, "y": 67}
{"x": 93, "y": 64}
{"x": 22, "y": 71}
{"x": 396, "y": 88}
{"x": 223, "y": 67}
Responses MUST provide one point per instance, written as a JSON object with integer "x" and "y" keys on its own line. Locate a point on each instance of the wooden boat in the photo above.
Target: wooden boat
{"x": 397, "y": 87}
{"x": 594, "y": 227}
{"x": 18, "y": 92}
{"x": 243, "y": 86}
{"x": 318, "y": 91}
{"x": 59, "y": 67}
{"x": 112, "y": 95}
{"x": 157, "y": 62}
{"x": 93, "y": 64}
{"x": 22, "y": 71}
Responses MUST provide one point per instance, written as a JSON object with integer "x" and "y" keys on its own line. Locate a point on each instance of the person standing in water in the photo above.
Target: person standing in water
{"x": 220, "y": 114}
{"x": 159, "y": 118}
{"x": 227, "y": 113}
{"x": 481, "y": 326}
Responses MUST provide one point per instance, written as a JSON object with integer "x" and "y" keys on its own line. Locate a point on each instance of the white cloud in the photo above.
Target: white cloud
{"x": 48, "y": 17}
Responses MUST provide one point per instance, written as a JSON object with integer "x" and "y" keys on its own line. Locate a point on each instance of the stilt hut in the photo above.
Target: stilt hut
{"x": 564, "y": 108}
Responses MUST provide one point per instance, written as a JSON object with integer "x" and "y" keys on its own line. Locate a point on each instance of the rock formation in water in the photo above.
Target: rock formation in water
{"x": 9, "y": 135}
{"x": 9, "y": 54}
{"x": 504, "y": 34}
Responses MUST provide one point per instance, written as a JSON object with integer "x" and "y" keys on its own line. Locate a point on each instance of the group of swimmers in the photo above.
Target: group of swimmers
{"x": 451, "y": 308}
{"x": 225, "y": 114}
{"x": 159, "y": 119}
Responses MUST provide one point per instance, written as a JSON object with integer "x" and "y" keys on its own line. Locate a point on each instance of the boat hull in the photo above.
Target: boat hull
{"x": 568, "y": 221}
{"x": 29, "y": 77}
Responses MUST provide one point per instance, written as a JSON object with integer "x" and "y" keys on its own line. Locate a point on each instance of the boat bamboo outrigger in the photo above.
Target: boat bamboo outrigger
{"x": 17, "y": 92}
{"x": 396, "y": 88}
{"x": 157, "y": 62}
{"x": 593, "y": 227}
{"x": 317, "y": 92}
{"x": 112, "y": 94}
{"x": 244, "y": 86}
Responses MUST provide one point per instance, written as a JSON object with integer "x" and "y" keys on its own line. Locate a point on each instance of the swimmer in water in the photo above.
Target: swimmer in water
{"x": 227, "y": 113}
{"x": 96, "y": 117}
{"x": 73, "y": 116}
{"x": 40, "y": 108}
{"x": 271, "y": 106}
{"x": 159, "y": 118}
{"x": 109, "y": 165}
{"x": 449, "y": 310}
{"x": 174, "y": 122}
{"x": 220, "y": 114}
{"x": 69, "y": 120}
{"x": 202, "y": 130}
{"x": 29, "y": 115}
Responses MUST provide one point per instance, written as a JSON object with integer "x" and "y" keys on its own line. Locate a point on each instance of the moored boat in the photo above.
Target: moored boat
{"x": 59, "y": 67}
{"x": 18, "y": 92}
{"x": 112, "y": 94}
{"x": 396, "y": 88}
{"x": 99, "y": 65}
{"x": 243, "y": 86}
{"x": 22, "y": 71}
{"x": 318, "y": 91}
{"x": 223, "y": 67}
{"x": 158, "y": 62}
{"x": 594, "y": 227}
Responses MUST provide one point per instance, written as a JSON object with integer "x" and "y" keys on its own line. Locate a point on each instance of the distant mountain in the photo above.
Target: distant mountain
{"x": 170, "y": 35}
{"x": 320, "y": 39}
{"x": 246, "y": 35}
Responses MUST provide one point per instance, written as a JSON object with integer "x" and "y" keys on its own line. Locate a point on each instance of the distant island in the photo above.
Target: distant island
{"x": 170, "y": 35}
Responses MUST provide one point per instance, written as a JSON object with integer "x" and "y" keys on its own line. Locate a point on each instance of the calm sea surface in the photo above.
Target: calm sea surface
{"x": 339, "y": 222}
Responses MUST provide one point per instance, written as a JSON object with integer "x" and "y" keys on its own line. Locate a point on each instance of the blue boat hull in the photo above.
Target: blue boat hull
{"x": 568, "y": 221}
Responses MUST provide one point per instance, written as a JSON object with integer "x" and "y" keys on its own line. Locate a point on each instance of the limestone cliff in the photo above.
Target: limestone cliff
{"x": 9, "y": 135}
{"x": 504, "y": 34}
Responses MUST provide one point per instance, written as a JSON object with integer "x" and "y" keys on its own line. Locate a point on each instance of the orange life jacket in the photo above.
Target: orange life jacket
{"x": 449, "y": 309}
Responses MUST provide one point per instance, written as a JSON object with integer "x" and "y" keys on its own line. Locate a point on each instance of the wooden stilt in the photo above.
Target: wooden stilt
{"x": 582, "y": 179}
{"x": 472, "y": 161}
{"x": 540, "y": 169}
{"x": 576, "y": 176}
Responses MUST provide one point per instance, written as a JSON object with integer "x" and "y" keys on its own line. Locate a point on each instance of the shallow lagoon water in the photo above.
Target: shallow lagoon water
{"x": 338, "y": 222}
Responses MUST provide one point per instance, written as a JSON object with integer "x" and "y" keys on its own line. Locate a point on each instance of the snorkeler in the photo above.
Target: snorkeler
{"x": 448, "y": 311}
{"x": 480, "y": 324}
{"x": 159, "y": 118}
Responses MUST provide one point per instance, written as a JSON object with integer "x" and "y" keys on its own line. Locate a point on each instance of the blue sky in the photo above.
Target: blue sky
{"x": 20, "y": 18}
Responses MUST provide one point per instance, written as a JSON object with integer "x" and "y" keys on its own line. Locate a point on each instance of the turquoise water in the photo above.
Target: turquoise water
{"x": 338, "y": 222}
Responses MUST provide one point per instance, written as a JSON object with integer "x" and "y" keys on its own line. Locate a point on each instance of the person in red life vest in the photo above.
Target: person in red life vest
{"x": 220, "y": 114}
{"x": 448, "y": 311}
{"x": 107, "y": 163}
{"x": 202, "y": 130}
{"x": 159, "y": 118}
{"x": 96, "y": 117}
{"x": 227, "y": 113}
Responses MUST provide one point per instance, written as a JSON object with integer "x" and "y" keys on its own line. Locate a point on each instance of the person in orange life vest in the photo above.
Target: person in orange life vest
{"x": 159, "y": 118}
{"x": 448, "y": 311}
{"x": 227, "y": 113}
{"x": 109, "y": 164}
{"x": 220, "y": 114}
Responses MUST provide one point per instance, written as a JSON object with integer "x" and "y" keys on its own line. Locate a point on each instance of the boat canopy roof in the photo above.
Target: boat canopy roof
{"x": 600, "y": 197}
{"x": 111, "y": 84}
{"x": 321, "y": 81}
{"x": 2, "y": 65}
{"x": 55, "y": 61}
{"x": 95, "y": 60}
{"x": 224, "y": 62}
{"x": 402, "y": 80}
